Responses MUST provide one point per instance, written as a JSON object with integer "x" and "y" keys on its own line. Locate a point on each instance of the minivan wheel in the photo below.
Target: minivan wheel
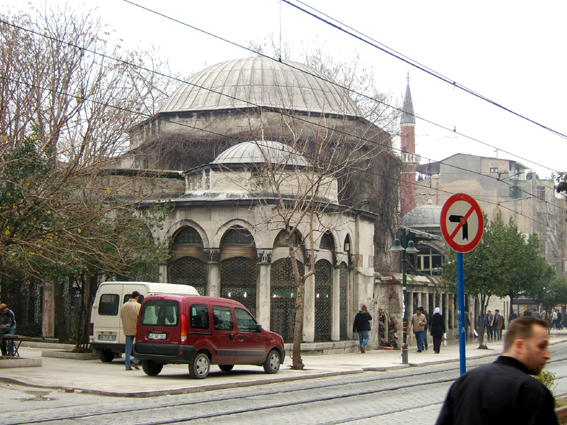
{"x": 151, "y": 367}
{"x": 200, "y": 367}
{"x": 226, "y": 367}
{"x": 106, "y": 355}
{"x": 272, "y": 363}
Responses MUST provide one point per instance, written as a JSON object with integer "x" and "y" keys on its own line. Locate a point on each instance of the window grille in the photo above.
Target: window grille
{"x": 189, "y": 271}
{"x": 239, "y": 280}
{"x": 343, "y": 303}
{"x": 283, "y": 294}
{"x": 323, "y": 300}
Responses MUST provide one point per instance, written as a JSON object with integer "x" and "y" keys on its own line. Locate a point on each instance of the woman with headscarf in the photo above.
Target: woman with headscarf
{"x": 437, "y": 329}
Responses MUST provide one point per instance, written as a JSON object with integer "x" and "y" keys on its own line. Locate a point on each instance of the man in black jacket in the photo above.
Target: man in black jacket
{"x": 362, "y": 326}
{"x": 504, "y": 392}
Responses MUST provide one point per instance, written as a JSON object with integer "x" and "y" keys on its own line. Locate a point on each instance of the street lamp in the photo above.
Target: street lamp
{"x": 404, "y": 249}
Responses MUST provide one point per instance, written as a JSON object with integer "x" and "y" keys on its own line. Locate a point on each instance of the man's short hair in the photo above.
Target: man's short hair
{"x": 496, "y": 309}
{"x": 419, "y": 309}
{"x": 521, "y": 328}
{"x": 135, "y": 294}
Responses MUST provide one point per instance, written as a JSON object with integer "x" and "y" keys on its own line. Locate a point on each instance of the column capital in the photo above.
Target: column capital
{"x": 264, "y": 256}
{"x": 214, "y": 254}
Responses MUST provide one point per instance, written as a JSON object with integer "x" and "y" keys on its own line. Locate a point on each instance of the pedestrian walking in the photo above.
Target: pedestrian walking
{"x": 554, "y": 319}
{"x": 425, "y": 328}
{"x": 437, "y": 329}
{"x": 488, "y": 321}
{"x": 503, "y": 392}
{"x": 418, "y": 322}
{"x": 497, "y": 325}
{"x": 362, "y": 326}
{"x": 129, "y": 316}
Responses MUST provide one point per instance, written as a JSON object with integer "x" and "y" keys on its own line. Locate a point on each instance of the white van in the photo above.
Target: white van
{"x": 106, "y": 336}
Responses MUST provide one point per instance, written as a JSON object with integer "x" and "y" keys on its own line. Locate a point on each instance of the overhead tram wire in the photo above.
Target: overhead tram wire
{"x": 370, "y": 41}
{"x": 244, "y": 100}
{"x": 354, "y": 91}
{"x": 340, "y": 86}
{"x": 87, "y": 99}
{"x": 234, "y": 98}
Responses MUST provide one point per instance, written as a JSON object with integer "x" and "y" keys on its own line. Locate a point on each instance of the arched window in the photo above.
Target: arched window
{"x": 238, "y": 236}
{"x": 326, "y": 241}
{"x": 188, "y": 236}
{"x": 282, "y": 238}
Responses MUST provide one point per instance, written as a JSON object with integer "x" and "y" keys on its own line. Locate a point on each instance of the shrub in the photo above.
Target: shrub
{"x": 547, "y": 378}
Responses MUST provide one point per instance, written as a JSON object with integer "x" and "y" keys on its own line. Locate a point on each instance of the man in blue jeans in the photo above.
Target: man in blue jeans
{"x": 362, "y": 326}
{"x": 418, "y": 322}
{"x": 129, "y": 316}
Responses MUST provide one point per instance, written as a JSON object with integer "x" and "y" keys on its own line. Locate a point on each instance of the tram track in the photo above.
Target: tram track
{"x": 265, "y": 398}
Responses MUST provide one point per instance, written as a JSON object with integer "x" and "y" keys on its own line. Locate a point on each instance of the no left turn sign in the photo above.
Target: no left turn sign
{"x": 462, "y": 223}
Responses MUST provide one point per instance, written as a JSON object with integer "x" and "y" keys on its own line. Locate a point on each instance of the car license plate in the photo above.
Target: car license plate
{"x": 107, "y": 337}
{"x": 156, "y": 336}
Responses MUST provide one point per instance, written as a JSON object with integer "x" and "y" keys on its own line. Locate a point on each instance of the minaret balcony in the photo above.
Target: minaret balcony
{"x": 411, "y": 158}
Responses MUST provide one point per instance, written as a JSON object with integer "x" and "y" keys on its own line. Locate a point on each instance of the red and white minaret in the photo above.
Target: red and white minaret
{"x": 409, "y": 158}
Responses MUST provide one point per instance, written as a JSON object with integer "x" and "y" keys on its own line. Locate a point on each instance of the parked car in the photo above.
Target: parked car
{"x": 106, "y": 336}
{"x": 200, "y": 331}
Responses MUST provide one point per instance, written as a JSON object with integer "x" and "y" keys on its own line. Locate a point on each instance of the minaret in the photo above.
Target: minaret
{"x": 409, "y": 158}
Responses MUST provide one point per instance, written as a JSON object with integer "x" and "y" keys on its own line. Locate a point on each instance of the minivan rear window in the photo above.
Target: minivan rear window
{"x": 160, "y": 313}
{"x": 108, "y": 305}
{"x": 199, "y": 316}
{"x": 128, "y": 296}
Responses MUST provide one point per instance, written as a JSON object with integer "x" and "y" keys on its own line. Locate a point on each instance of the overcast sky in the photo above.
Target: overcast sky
{"x": 511, "y": 52}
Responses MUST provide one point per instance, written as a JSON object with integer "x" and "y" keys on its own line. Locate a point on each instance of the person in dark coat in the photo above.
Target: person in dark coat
{"x": 362, "y": 326}
{"x": 437, "y": 329}
{"x": 503, "y": 392}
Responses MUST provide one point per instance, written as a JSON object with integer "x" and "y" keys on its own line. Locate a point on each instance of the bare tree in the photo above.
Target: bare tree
{"x": 67, "y": 100}
{"x": 304, "y": 185}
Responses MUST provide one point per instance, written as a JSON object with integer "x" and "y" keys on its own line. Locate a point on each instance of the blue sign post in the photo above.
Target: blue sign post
{"x": 462, "y": 225}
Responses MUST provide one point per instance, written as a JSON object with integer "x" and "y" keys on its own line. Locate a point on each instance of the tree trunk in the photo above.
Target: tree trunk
{"x": 511, "y": 316}
{"x": 60, "y": 312}
{"x": 297, "y": 362}
{"x": 483, "y": 304}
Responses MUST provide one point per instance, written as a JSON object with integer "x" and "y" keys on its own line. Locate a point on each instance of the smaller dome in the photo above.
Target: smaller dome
{"x": 256, "y": 152}
{"x": 424, "y": 216}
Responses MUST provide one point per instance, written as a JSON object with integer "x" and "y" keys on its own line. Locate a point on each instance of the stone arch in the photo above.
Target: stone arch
{"x": 174, "y": 229}
{"x": 221, "y": 231}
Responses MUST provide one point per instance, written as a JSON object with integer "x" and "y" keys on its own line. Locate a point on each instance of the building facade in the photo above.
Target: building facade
{"x": 209, "y": 146}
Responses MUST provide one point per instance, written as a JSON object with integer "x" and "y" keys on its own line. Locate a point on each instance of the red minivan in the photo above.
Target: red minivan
{"x": 201, "y": 331}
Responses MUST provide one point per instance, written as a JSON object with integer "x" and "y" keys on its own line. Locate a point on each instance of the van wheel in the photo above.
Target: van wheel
{"x": 272, "y": 363}
{"x": 226, "y": 367}
{"x": 106, "y": 355}
{"x": 151, "y": 368}
{"x": 200, "y": 367}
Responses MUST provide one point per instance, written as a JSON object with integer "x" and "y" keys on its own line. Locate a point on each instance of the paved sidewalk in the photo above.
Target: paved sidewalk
{"x": 96, "y": 377}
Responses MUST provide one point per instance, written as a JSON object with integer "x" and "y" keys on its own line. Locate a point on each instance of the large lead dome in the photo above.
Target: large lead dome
{"x": 260, "y": 81}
